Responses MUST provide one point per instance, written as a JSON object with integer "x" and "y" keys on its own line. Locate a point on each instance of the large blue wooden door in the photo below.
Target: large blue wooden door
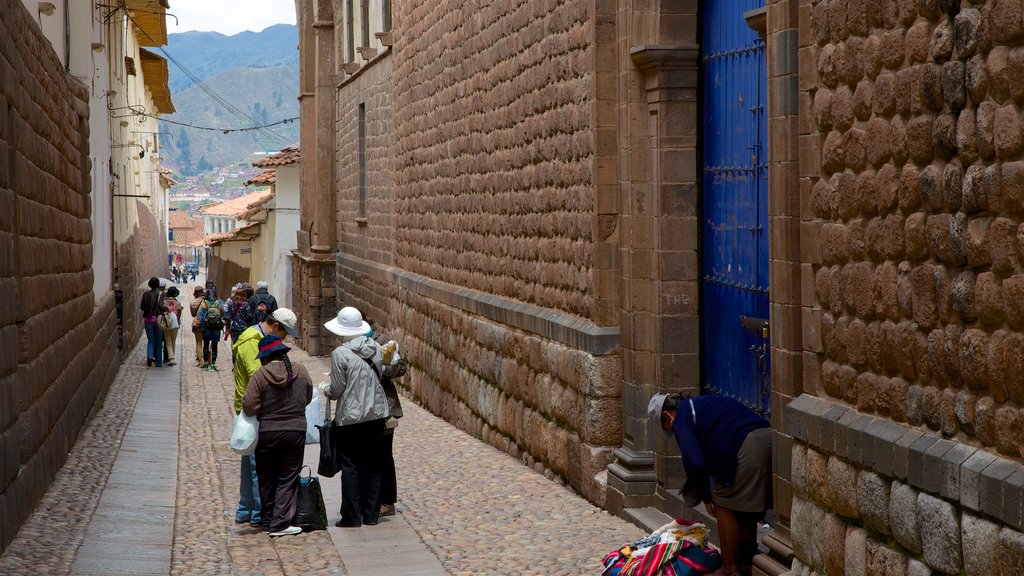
{"x": 734, "y": 209}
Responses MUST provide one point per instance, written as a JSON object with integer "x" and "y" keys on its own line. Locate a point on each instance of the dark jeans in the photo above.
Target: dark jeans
{"x": 388, "y": 478}
{"x": 360, "y": 455}
{"x": 155, "y": 342}
{"x": 278, "y": 461}
{"x": 210, "y": 339}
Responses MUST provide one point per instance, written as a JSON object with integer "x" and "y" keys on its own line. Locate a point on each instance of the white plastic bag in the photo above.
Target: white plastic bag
{"x": 314, "y": 416}
{"x": 244, "y": 434}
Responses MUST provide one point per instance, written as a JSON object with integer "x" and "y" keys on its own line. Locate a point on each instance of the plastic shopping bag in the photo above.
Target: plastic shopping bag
{"x": 244, "y": 434}
{"x": 314, "y": 416}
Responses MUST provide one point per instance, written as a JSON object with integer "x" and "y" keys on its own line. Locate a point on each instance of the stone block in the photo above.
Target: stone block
{"x": 940, "y": 533}
{"x": 917, "y": 568}
{"x": 873, "y": 500}
{"x": 799, "y": 468}
{"x": 817, "y": 477}
{"x": 965, "y": 31}
{"x": 949, "y": 475}
{"x": 842, "y": 487}
{"x": 1010, "y": 556}
{"x": 1011, "y": 510}
{"x": 855, "y": 550}
{"x": 916, "y": 458}
{"x": 903, "y": 519}
{"x": 991, "y": 484}
{"x": 980, "y": 541}
{"x": 884, "y": 561}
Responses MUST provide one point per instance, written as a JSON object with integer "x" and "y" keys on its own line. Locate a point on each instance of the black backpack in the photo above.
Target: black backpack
{"x": 259, "y": 306}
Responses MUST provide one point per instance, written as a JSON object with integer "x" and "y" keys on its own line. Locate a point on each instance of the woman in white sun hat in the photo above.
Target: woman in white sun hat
{"x": 360, "y": 410}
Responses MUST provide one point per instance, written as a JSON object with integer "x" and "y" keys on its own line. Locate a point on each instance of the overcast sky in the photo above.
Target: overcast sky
{"x": 229, "y": 16}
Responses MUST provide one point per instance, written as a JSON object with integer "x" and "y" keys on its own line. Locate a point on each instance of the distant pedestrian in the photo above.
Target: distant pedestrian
{"x": 361, "y": 408}
{"x": 151, "y": 303}
{"x": 170, "y": 334}
{"x": 393, "y": 366}
{"x": 262, "y": 303}
{"x": 282, "y": 323}
{"x": 198, "y": 296}
{"x": 277, "y": 395}
{"x": 236, "y": 312}
{"x": 211, "y": 322}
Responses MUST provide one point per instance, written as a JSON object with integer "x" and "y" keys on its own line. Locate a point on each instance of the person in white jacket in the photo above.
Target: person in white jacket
{"x": 361, "y": 409}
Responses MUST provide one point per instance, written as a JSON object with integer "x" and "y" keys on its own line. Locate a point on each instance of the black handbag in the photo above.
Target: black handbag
{"x": 310, "y": 512}
{"x": 329, "y": 464}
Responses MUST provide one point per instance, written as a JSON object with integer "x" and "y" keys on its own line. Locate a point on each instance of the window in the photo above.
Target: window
{"x": 350, "y": 40}
{"x": 364, "y": 22}
{"x": 361, "y": 152}
{"x": 386, "y": 16}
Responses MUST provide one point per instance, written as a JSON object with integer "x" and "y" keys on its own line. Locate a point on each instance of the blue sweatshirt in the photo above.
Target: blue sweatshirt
{"x": 710, "y": 437}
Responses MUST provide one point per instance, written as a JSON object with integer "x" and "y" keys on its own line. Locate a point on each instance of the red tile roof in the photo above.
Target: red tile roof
{"x": 265, "y": 178}
{"x": 284, "y": 157}
{"x": 236, "y": 206}
{"x": 187, "y": 231}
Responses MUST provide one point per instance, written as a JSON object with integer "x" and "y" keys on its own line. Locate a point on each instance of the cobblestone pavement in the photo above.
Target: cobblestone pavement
{"x": 478, "y": 510}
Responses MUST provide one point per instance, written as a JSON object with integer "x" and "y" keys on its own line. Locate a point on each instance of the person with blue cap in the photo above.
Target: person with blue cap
{"x": 727, "y": 457}
{"x": 277, "y": 396}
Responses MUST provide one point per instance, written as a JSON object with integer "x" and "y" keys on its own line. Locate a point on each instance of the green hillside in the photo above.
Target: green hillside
{"x": 264, "y": 94}
{"x": 256, "y": 73}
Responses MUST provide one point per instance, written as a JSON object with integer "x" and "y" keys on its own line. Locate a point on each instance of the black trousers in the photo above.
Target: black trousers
{"x": 359, "y": 452}
{"x": 210, "y": 340}
{"x": 278, "y": 462}
{"x": 388, "y": 478}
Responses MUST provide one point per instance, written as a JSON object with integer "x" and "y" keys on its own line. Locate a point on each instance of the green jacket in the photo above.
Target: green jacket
{"x": 246, "y": 364}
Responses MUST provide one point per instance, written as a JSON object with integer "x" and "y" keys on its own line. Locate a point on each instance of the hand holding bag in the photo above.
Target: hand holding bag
{"x": 310, "y": 512}
{"x": 329, "y": 464}
{"x": 244, "y": 434}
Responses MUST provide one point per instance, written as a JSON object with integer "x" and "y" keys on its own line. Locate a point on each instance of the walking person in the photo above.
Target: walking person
{"x": 277, "y": 396}
{"x": 236, "y": 310}
{"x": 170, "y": 333}
{"x": 281, "y": 324}
{"x": 361, "y": 408}
{"x": 198, "y": 295}
{"x": 151, "y": 303}
{"x": 261, "y": 304}
{"x": 393, "y": 366}
{"x": 727, "y": 456}
{"x": 211, "y": 323}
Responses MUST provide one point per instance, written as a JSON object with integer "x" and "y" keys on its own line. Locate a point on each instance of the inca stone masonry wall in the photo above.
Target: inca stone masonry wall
{"x": 59, "y": 345}
{"x": 476, "y": 247}
{"x": 493, "y": 143}
{"x": 912, "y": 188}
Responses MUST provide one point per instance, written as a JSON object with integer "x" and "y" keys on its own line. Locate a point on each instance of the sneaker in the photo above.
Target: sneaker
{"x": 170, "y": 363}
{"x": 149, "y": 362}
{"x": 289, "y": 531}
{"x": 387, "y": 509}
{"x": 213, "y": 368}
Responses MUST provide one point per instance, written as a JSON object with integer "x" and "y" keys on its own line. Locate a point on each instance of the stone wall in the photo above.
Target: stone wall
{"x": 910, "y": 201}
{"x": 476, "y": 248}
{"x": 60, "y": 344}
{"x": 493, "y": 146}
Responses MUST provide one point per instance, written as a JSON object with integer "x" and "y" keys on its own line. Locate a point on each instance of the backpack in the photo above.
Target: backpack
{"x": 260, "y": 306}
{"x": 214, "y": 317}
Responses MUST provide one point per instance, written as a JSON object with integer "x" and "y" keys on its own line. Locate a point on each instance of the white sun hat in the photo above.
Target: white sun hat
{"x": 348, "y": 323}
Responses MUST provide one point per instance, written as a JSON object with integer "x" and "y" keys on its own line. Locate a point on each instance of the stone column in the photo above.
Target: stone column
{"x": 661, "y": 323}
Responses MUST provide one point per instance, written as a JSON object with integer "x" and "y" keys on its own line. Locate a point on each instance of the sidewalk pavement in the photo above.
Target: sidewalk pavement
{"x": 158, "y": 450}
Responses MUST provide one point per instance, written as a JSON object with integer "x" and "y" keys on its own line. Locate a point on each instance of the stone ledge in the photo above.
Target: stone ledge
{"x": 574, "y": 332}
{"x": 965, "y": 475}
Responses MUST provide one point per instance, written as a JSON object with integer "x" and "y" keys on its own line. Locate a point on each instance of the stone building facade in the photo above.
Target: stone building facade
{"x": 906, "y": 448}
{"x": 63, "y": 329}
{"x": 516, "y": 192}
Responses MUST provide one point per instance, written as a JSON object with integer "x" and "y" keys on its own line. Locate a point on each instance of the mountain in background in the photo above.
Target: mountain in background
{"x": 255, "y": 73}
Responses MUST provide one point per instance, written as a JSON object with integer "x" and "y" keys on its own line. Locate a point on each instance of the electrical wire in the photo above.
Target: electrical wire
{"x": 231, "y": 108}
{"x": 223, "y": 130}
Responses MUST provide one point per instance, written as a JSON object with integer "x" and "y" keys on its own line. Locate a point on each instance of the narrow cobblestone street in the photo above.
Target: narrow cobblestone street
{"x": 464, "y": 507}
